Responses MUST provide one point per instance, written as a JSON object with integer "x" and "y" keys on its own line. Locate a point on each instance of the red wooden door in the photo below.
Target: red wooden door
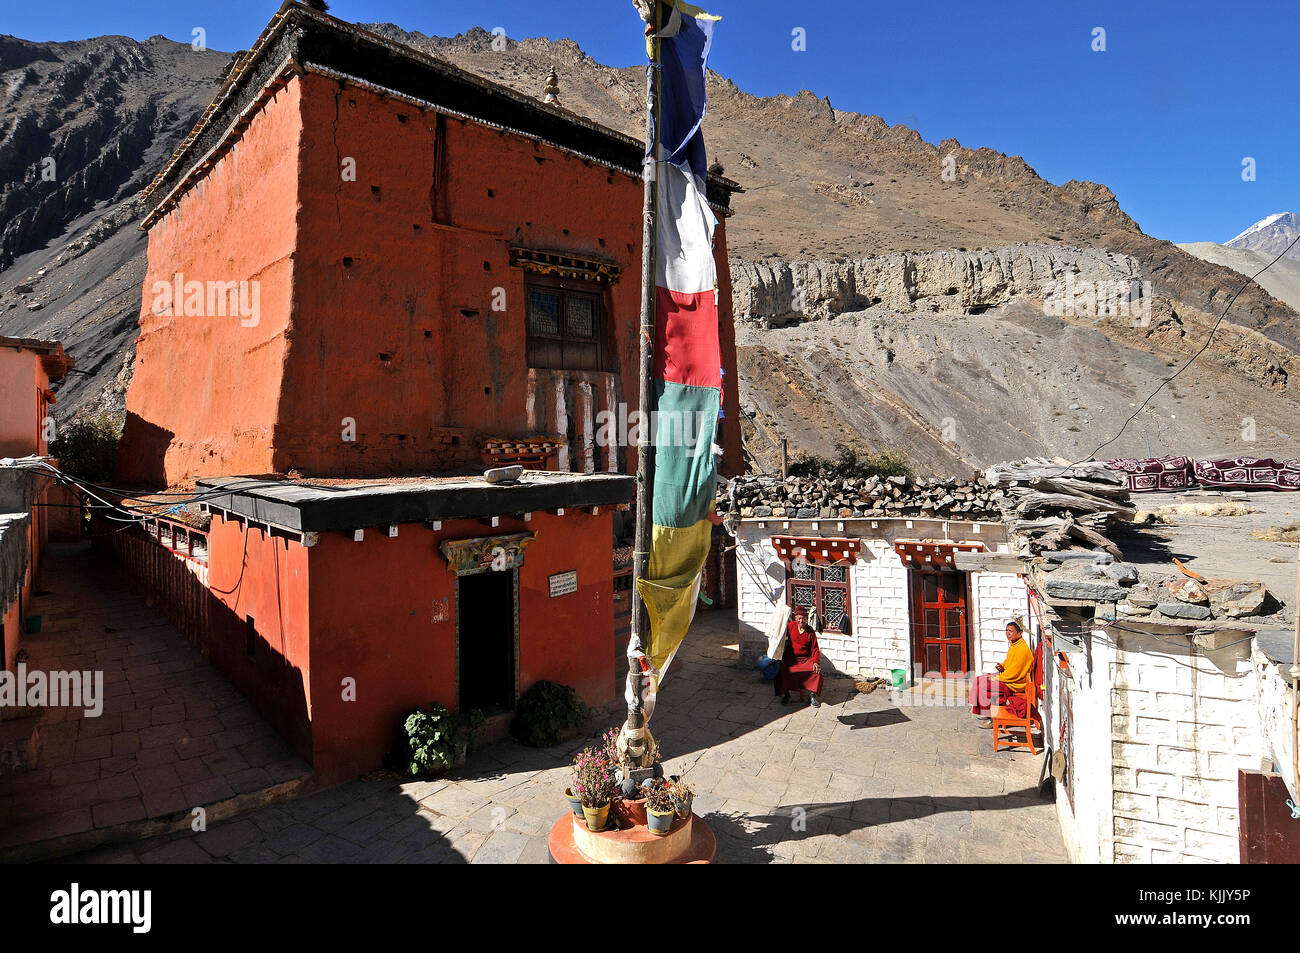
{"x": 939, "y": 636}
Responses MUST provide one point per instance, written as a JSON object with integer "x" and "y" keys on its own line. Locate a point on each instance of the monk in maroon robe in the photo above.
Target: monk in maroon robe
{"x": 800, "y": 662}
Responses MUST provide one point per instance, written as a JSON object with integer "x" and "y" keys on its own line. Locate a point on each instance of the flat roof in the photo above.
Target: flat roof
{"x": 1217, "y": 546}
{"x": 56, "y": 360}
{"x": 323, "y": 505}
{"x": 1214, "y": 545}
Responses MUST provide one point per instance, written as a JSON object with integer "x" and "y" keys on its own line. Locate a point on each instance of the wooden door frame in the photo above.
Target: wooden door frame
{"x": 819, "y": 586}
{"x": 916, "y": 636}
{"x": 514, "y": 586}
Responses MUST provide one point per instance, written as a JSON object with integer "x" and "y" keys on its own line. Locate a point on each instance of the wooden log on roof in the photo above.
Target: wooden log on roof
{"x": 1086, "y": 488}
{"x": 1034, "y": 500}
{"x": 1004, "y": 473}
{"x": 1049, "y": 533}
{"x": 1094, "y": 539}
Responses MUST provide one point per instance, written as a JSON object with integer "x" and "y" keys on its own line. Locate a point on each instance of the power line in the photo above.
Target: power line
{"x": 1192, "y": 359}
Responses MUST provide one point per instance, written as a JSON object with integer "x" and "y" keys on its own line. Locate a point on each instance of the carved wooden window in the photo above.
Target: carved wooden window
{"x": 822, "y": 587}
{"x": 566, "y": 325}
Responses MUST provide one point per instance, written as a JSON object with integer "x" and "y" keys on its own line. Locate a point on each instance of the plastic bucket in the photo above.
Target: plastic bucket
{"x": 898, "y": 678}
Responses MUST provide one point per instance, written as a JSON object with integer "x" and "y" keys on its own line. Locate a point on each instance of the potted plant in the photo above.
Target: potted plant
{"x": 659, "y": 808}
{"x": 593, "y": 783}
{"x": 575, "y": 802}
{"x": 683, "y": 796}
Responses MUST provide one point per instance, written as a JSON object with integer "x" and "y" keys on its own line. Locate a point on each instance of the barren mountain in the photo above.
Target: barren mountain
{"x": 1281, "y": 280}
{"x": 889, "y": 290}
{"x": 84, "y": 127}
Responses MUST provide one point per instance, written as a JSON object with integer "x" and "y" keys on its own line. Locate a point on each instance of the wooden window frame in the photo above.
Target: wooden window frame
{"x": 563, "y": 288}
{"x": 819, "y": 586}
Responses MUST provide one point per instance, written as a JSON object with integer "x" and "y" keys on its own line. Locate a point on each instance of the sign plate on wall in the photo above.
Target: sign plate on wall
{"x": 563, "y": 583}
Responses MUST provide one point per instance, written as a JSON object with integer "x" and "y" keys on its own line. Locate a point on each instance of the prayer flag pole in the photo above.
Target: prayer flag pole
{"x": 636, "y": 744}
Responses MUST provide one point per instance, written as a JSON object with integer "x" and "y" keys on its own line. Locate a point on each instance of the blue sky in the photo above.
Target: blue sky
{"x": 1164, "y": 116}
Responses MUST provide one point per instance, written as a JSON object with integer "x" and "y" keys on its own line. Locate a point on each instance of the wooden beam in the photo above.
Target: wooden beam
{"x": 988, "y": 562}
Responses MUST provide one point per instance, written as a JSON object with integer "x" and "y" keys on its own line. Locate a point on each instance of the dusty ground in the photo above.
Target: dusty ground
{"x": 173, "y": 734}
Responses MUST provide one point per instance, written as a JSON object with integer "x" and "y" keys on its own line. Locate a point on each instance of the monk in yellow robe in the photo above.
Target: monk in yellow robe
{"x": 1007, "y": 687}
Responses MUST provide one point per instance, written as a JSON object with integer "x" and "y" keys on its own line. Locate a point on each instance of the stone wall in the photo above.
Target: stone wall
{"x": 1182, "y": 721}
{"x": 998, "y": 597}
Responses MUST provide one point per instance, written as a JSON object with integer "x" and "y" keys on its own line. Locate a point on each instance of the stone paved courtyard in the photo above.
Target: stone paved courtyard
{"x": 873, "y": 780}
{"x": 173, "y": 735}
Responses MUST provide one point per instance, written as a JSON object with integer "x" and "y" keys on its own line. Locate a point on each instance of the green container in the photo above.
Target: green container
{"x": 899, "y": 678}
{"x": 33, "y": 624}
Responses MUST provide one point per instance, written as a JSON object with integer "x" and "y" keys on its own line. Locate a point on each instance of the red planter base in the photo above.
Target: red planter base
{"x": 688, "y": 842}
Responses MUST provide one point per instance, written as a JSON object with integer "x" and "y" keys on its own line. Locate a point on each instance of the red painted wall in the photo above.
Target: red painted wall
{"x": 376, "y": 292}
{"x": 427, "y": 227}
{"x": 251, "y": 574}
{"x": 22, "y": 379}
{"x": 205, "y": 393}
{"x": 374, "y": 619}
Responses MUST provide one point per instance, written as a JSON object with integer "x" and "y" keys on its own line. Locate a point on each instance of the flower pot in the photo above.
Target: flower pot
{"x": 575, "y": 802}
{"x": 683, "y": 804}
{"x": 659, "y": 822}
{"x": 630, "y": 812}
{"x": 597, "y": 817}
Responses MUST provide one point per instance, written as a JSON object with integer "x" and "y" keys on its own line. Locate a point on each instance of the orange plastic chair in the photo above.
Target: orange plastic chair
{"x": 1005, "y": 720}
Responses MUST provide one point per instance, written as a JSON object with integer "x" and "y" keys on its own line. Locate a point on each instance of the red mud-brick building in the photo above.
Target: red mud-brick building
{"x": 28, "y": 368}
{"x": 367, "y": 270}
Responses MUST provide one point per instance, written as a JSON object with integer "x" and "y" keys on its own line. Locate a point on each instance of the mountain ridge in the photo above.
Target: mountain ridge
{"x": 822, "y": 184}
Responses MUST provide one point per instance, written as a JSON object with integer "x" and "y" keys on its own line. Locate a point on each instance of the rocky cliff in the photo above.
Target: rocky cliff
{"x": 84, "y": 126}
{"x": 774, "y": 292}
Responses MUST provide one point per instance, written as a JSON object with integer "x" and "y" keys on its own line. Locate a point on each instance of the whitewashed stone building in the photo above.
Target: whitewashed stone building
{"x": 893, "y": 599}
{"x": 1168, "y": 700}
{"x": 1156, "y": 723}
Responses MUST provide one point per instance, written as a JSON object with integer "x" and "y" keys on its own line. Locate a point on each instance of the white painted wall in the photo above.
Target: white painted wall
{"x": 1273, "y": 692}
{"x": 1161, "y": 728}
{"x": 879, "y": 590}
{"x": 998, "y": 597}
{"x": 881, "y": 612}
{"x": 1087, "y": 827}
{"x": 760, "y": 579}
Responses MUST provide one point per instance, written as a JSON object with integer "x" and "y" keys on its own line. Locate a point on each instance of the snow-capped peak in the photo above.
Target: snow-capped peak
{"x": 1285, "y": 218}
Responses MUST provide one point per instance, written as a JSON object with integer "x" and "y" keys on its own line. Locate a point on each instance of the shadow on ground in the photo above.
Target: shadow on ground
{"x": 747, "y": 839}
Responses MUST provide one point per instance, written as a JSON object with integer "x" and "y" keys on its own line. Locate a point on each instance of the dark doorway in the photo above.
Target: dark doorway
{"x": 485, "y": 626}
{"x": 940, "y": 640}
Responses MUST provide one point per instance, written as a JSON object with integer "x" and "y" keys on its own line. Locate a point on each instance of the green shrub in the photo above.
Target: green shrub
{"x": 852, "y": 463}
{"x": 86, "y": 447}
{"x": 547, "y": 714}
{"x": 434, "y": 740}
